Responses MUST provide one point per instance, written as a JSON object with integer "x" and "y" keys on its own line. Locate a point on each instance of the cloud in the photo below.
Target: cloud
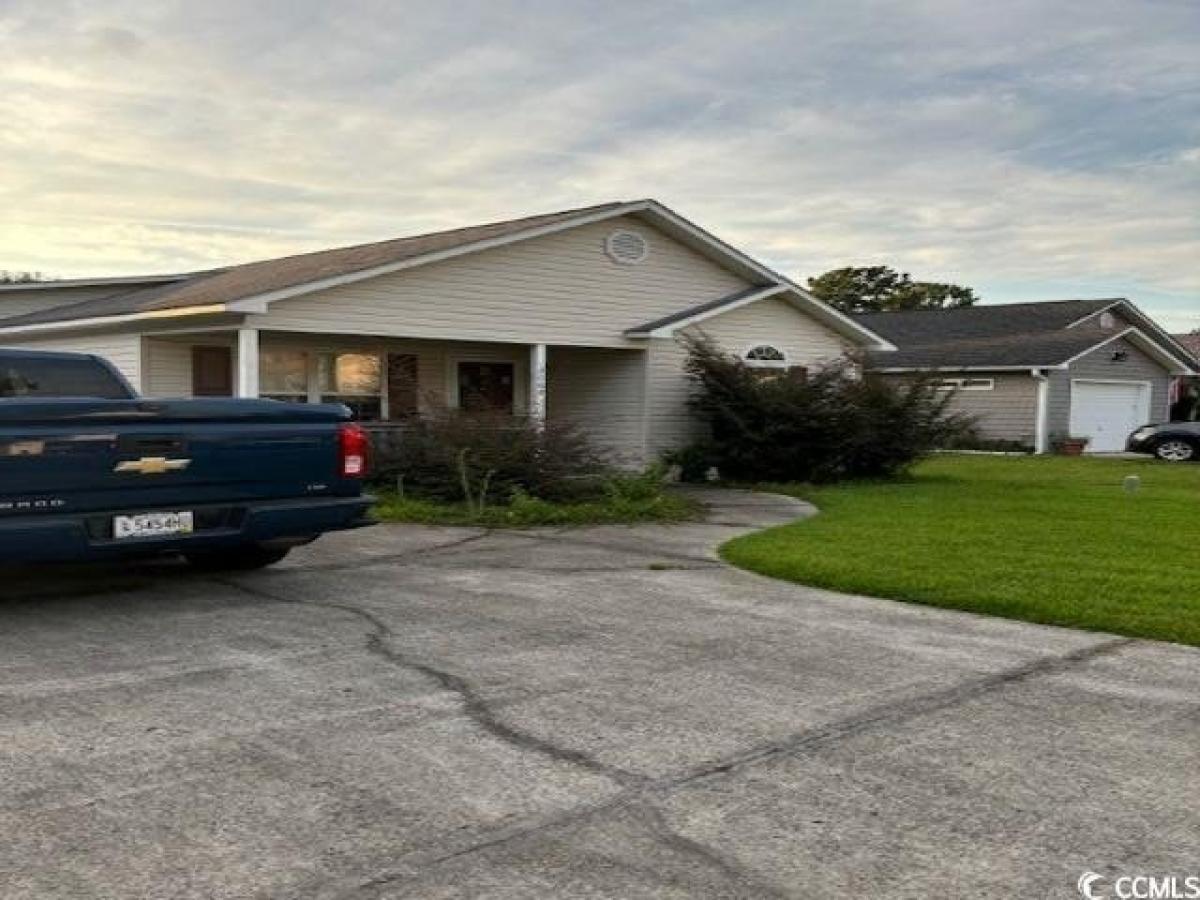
{"x": 1030, "y": 149}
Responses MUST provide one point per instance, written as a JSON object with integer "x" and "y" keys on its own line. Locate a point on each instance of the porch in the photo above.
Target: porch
{"x": 389, "y": 380}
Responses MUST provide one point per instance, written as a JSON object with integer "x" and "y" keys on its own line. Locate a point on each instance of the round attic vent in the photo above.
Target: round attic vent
{"x": 626, "y": 247}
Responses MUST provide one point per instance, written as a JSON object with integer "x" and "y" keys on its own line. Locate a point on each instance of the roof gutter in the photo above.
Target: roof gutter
{"x": 900, "y": 369}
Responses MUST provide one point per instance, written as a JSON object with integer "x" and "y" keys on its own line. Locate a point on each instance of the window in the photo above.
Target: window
{"x": 764, "y": 356}
{"x": 58, "y": 376}
{"x": 283, "y": 375}
{"x": 1108, "y": 321}
{"x": 967, "y": 384}
{"x": 355, "y": 379}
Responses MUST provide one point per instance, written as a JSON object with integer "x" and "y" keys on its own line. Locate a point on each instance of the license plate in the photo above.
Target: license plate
{"x": 155, "y": 524}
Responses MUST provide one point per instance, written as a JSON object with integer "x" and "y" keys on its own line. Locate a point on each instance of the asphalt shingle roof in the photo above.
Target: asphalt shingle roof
{"x": 1016, "y": 334}
{"x": 251, "y": 279}
{"x": 931, "y": 326}
{"x": 1024, "y": 350}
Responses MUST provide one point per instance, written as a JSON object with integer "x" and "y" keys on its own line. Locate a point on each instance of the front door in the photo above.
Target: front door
{"x": 212, "y": 372}
{"x": 485, "y": 386}
{"x": 402, "y": 386}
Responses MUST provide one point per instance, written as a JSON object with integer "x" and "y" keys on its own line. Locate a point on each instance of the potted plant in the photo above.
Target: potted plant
{"x": 1070, "y": 445}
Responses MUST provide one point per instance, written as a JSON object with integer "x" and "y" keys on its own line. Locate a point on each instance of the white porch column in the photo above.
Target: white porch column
{"x": 247, "y": 362}
{"x": 1041, "y": 425}
{"x": 537, "y": 383}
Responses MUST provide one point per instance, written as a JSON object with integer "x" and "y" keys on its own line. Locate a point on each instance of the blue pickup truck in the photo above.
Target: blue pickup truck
{"x": 88, "y": 470}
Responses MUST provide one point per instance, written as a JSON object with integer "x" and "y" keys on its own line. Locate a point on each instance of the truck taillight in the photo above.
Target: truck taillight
{"x": 354, "y": 447}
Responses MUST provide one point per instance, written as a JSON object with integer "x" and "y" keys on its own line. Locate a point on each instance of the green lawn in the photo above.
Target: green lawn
{"x": 1046, "y": 539}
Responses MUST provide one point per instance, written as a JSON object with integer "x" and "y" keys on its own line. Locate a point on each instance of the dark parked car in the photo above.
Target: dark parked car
{"x": 89, "y": 470}
{"x": 1176, "y": 442}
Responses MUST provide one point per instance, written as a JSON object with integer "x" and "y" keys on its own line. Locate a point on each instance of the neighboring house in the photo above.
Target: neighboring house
{"x": 1031, "y": 372}
{"x": 1185, "y": 391}
{"x": 569, "y": 315}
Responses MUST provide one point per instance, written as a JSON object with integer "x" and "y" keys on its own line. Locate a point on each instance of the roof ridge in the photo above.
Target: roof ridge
{"x": 992, "y": 306}
{"x": 597, "y": 207}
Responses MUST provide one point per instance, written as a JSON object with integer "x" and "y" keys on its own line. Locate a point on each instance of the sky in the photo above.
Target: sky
{"x": 1031, "y": 150}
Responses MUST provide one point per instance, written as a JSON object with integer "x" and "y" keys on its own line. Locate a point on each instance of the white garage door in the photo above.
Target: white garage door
{"x": 1107, "y": 411}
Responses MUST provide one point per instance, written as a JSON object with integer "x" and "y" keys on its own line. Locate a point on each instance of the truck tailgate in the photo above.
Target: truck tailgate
{"x": 82, "y": 455}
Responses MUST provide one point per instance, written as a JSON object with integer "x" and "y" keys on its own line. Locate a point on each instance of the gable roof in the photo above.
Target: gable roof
{"x": 252, "y": 286}
{"x": 1048, "y": 334}
{"x": 667, "y": 325}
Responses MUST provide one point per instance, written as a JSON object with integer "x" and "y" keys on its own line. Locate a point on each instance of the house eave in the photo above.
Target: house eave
{"x": 108, "y": 321}
{"x": 1026, "y": 367}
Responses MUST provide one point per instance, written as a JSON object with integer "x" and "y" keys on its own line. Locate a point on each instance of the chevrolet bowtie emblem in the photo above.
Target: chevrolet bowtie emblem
{"x": 152, "y": 465}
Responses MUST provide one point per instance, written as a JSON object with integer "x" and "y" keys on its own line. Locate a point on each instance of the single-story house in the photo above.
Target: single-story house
{"x": 1032, "y": 372}
{"x": 573, "y": 314}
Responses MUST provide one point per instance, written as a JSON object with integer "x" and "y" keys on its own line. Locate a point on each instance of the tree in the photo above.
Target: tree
{"x": 883, "y": 289}
{"x": 7, "y": 277}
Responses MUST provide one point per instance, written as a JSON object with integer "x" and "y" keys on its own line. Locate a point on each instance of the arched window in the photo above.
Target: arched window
{"x": 765, "y": 356}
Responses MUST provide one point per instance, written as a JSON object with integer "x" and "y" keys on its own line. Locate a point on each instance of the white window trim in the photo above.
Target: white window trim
{"x": 964, "y": 384}
{"x": 765, "y": 363}
{"x": 520, "y": 377}
{"x": 313, "y": 350}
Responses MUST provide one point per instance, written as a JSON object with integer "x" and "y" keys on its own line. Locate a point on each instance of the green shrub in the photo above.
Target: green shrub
{"x": 480, "y": 458}
{"x": 819, "y": 426}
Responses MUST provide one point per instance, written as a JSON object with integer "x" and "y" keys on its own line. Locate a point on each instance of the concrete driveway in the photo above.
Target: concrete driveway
{"x": 409, "y": 712}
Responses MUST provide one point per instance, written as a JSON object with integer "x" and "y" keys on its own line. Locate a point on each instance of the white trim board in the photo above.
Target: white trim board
{"x": 666, "y": 331}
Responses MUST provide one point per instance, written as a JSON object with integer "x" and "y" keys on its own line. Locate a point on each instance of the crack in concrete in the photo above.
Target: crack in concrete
{"x": 656, "y": 820}
{"x": 636, "y": 790}
{"x": 641, "y": 788}
{"x": 895, "y": 713}
{"x": 474, "y": 705}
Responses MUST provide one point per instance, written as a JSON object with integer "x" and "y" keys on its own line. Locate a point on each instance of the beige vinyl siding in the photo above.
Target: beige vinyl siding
{"x": 123, "y": 350}
{"x": 805, "y": 342}
{"x": 669, "y": 422}
{"x": 1099, "y": 364}
{"x": 602, "y": 391}
{"x": 557, "y": 289}
{"x": 168, "y": 368}
{"x": 1008, "y": 412}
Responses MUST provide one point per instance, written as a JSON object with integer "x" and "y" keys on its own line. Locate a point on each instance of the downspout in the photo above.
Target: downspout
{"x": 1041, "y": 425}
